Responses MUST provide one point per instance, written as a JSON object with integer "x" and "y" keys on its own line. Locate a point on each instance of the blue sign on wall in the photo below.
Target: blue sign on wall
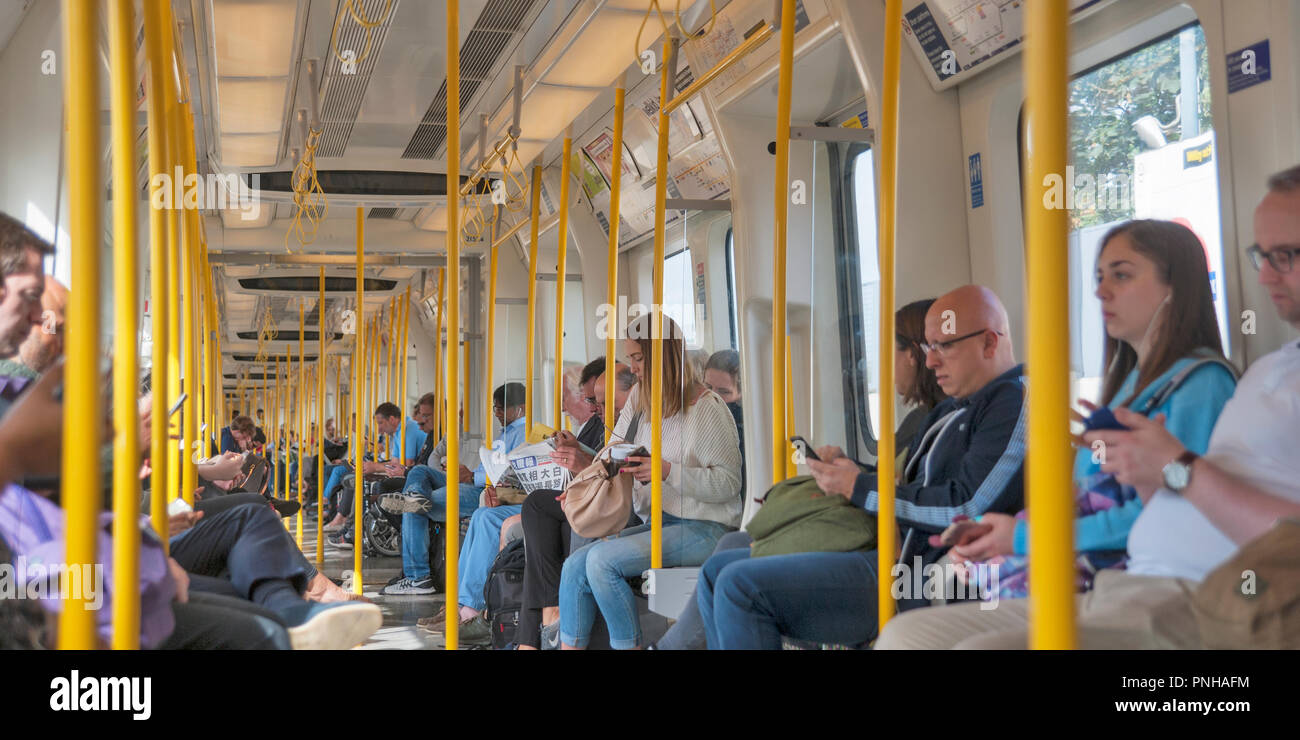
{"x": 1249, "y": 66}
{"x": 976, "y": 181}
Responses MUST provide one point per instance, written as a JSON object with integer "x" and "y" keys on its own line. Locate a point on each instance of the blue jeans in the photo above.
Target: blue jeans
{"x": 595, "y": 576}
{"x": 432, "y": 484}
{"x": 479, "y": 551}
{"x": 334, "y": 477}
{"x": 749, "y": 603}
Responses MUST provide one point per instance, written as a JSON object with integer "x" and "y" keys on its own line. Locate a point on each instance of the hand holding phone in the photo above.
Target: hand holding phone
{"x": 964, "y": 532}
{"x": 806, "y": 447}
{"x": 1102, "y": 418}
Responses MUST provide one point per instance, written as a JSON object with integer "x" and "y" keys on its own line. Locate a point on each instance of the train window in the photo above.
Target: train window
{"x": 679, "y": 293}
{"x": 1142, "y": 145}
{"x": 862, "y": 172}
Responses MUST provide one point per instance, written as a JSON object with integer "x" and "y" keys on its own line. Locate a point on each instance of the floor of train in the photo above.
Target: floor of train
{"x": 400, "y": 612}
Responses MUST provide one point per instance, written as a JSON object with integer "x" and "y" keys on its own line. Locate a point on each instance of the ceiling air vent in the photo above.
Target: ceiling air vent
{"x": 499, "y": 21}
{"x": 341, "y": 99}
{"x": 389, "y": 213}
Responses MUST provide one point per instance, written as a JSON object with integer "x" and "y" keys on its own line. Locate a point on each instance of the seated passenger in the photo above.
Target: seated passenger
{"x": 547, "y": 537}
{"x": 913, "y": 382}
{"x": 1196, "y": 510}
{"x": 44, "y": 345}
{"x": 1148, "y": 273}
{"x": 171, "y": 617}
{"x": 425, "y": 496}
{"x": 22, "y": 282}
{"x": 479, "y": 550}
{"x": 700, "y": 492}
{"x": 969, "y": 460}
{"x": 238, "y": 437}
{"x": 388, "y": 422}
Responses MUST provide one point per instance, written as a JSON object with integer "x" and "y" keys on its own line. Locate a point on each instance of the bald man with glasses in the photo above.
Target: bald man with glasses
{"x": 969, "y": 460}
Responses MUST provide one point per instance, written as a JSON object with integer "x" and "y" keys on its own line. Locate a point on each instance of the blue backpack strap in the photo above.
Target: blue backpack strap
{"x": 1203, "y": 356}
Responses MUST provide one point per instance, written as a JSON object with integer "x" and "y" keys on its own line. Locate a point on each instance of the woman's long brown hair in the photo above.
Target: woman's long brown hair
{"x": 1186, "y": 324}
{"x": 679, "y": 375}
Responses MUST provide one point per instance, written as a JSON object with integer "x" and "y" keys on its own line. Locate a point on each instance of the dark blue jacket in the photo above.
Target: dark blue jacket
{"x": 968, "y": 458}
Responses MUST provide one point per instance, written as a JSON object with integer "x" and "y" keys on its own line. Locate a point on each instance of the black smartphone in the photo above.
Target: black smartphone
{"x": 807, "y": 448}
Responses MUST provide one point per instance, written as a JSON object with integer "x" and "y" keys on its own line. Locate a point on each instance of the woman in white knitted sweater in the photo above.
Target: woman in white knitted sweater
{"x": 701, "y": 494}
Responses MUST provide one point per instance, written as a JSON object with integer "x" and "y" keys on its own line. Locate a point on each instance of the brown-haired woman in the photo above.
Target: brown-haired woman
{"x": 701, "y": 467}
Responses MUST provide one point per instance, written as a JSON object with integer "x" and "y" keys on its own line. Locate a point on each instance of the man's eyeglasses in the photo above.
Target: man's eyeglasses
{"x": 591, "y": 400}
{"x": 943, "y": 348}
{"x": 1282, "y": 258}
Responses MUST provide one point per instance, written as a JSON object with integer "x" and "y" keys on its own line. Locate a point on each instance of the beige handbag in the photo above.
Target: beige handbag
{"x": 1252, "y": 601}
{"x": 598, "y": 502}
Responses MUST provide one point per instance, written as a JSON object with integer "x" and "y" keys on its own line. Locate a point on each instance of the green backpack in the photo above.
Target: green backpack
{"x": 797, "y": 516}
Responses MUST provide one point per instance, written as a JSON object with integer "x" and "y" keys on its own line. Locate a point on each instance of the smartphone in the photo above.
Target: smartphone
{"x": 1102, "y": 418}
{"x": 807, "y": 448}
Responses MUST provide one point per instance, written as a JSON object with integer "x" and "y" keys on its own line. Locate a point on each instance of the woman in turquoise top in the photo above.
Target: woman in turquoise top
{"x": 1154, "y": 288}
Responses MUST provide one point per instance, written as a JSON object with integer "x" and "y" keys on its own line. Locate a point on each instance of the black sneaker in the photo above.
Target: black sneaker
{"x": 284, "y": 507}
{"x": 341, "y": 540}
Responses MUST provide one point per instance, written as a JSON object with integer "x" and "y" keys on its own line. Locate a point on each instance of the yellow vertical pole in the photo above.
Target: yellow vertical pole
{"x": 158, "y": 269}
{"x": 886, "y": 452}
{"x": 780, "y": 214}
{"x": 358, "y": 451}
{"x": 453, "y": 311}
{"x": 615, "y": 189}
{"x": 174, "y": 134}
{"x": 126, "y": 320}
{"x": 530, "y": 349}
{"x": 1051, "y": 588}
{"x": 404, "y": 355}
{"x": 791, "y": 469}
{"x": 374, "y": 383}
{"x": 338, "y": 397}
{"x": 656, "y": 316}
{"x": 320, "y": 430}
{"x": 488, "y": 349}
{"x": 560, "y": 278}
{"x": 439, "y": 358}
{"x": 302, "y": 410}
{"x": 279, "y": 446}
{"x": 189, "y": 293}
{"x": 390, "y": 380}
{"x": 81, "y": 480}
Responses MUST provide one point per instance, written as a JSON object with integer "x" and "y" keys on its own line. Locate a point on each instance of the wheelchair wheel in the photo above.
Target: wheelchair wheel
{"x": 383, "y": 538}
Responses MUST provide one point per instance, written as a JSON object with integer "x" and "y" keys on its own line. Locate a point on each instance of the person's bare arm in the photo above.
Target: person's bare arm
{"x": 1238, "y": 509}
{"x": 1137, "y": 458}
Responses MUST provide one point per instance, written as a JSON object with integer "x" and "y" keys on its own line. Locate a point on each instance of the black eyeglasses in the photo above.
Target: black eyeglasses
{"x": 944, "y": 348}
{"x": 1282, "y": 258}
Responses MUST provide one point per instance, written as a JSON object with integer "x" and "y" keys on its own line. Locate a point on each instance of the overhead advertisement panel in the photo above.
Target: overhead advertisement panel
{"x": 955, "y": 39}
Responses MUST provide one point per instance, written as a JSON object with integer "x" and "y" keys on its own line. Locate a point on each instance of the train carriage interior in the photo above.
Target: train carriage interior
{"x": 483, "y": 249}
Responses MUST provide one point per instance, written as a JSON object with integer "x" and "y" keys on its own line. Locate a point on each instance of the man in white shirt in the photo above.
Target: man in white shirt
{"x": 1197, "y": 510}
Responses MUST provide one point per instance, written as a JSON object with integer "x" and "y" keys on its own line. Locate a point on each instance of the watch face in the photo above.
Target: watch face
{"x": 1176, "y": 475}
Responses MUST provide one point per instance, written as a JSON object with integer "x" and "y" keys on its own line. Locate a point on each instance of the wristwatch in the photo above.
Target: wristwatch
{"x": 1177, "y": 473}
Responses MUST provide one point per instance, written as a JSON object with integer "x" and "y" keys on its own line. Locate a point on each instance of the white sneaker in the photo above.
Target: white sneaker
{"x": 338, "y": 628}
{"x": 408, "y": 587}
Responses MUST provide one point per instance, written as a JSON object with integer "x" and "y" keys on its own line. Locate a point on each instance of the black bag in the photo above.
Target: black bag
{"x": 504, "y": 594}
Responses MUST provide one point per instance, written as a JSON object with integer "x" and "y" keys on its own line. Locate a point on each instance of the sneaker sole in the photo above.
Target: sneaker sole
{"x": 339, "y": 628}
{"x": 402, "y": 506}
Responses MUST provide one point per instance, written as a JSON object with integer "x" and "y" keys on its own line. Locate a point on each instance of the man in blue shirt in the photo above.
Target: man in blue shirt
{"x": 425, "y": 496}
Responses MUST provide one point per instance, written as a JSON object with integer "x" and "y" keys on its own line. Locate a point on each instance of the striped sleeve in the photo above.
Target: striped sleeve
{"x": 985, "y": 475}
